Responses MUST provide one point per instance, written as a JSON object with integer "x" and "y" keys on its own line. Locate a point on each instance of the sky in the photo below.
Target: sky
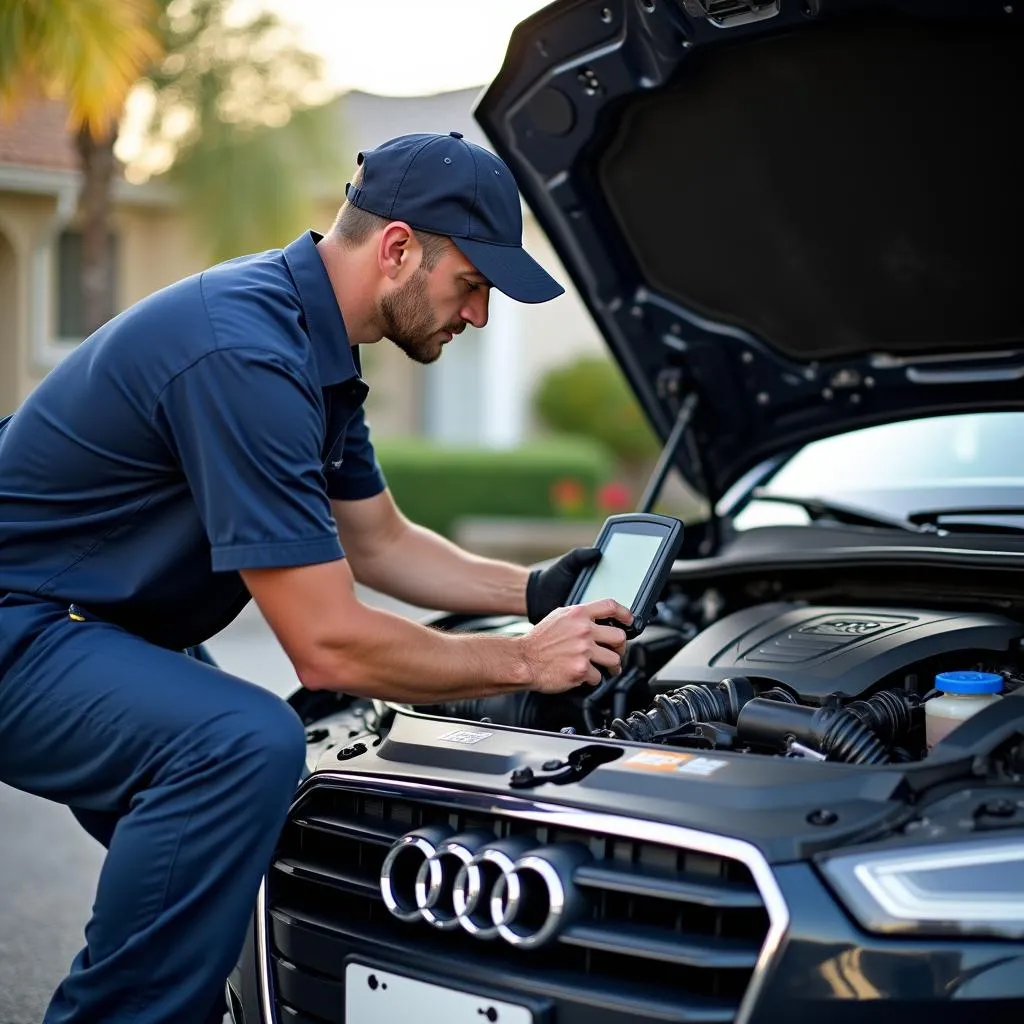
{"x": 405, "y": 47}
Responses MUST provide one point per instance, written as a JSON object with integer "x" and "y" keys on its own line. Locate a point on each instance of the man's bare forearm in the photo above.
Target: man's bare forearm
{"x": 336, "y": 642}
{"x": 425, "y": 569}
{"x": 386, "y": 655}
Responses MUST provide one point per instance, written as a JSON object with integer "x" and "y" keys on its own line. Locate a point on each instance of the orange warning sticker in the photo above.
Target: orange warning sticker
{"x": 673, "y": 762}
{"x": 657, "y": 760}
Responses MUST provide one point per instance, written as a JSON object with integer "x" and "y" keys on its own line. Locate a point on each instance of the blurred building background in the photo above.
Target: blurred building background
{"x": 478, "y": 394}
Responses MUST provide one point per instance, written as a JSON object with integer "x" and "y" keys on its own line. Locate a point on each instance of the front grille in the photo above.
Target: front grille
{"x": 668, "y": 932}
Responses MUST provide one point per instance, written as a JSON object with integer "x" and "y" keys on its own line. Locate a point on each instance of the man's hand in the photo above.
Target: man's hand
{"x": 548, "y": 589}
{"x": 568, "y": 646}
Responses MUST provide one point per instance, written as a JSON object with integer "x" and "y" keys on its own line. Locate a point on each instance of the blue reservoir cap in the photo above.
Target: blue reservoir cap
{"x": 969, "y": 682}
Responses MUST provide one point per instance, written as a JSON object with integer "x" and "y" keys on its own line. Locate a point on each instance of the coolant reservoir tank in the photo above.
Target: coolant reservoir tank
{"x": 962, "y": 694}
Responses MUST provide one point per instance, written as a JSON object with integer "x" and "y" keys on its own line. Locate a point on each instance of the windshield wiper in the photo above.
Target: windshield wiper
{"x": 970, "y": 518}
{"x": 819, "y": 508}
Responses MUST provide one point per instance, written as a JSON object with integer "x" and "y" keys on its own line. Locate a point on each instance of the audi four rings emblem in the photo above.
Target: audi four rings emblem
{"x": 493, "y": 888}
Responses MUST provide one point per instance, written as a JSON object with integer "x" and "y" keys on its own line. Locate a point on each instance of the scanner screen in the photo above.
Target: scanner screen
{"x": 623, "y": 567}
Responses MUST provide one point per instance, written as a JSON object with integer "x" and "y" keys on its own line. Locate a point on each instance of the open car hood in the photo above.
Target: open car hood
{"x": 788, "y": 218}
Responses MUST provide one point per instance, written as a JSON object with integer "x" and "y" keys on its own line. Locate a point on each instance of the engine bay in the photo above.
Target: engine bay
{"x": 832, "y": 682}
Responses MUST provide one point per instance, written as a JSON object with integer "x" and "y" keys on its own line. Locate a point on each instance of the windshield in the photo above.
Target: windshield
{"x": 974, "y": 460}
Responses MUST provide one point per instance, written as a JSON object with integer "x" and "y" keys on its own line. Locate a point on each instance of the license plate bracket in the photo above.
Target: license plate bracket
{"x": 381, "y": 995}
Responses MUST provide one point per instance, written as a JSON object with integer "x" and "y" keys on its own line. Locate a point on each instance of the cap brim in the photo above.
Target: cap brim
{"x": 510, "y": 269}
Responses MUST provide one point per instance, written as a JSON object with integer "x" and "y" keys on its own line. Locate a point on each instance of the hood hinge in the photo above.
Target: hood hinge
{"x": 732, "y": 13}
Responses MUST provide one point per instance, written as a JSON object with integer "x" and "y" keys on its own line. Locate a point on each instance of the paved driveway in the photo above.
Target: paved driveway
{"x": 49, "y": 866}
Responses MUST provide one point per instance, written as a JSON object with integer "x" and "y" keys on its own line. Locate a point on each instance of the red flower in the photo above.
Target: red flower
{"x": 568, "y": 495}
{"x": 614, "y": 497}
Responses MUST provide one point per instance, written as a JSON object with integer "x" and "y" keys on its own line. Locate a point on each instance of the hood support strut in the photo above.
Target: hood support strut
{"x": 667, "y": 458}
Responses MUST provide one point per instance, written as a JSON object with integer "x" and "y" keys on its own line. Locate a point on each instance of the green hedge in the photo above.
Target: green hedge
{"x": 434, "y": 486}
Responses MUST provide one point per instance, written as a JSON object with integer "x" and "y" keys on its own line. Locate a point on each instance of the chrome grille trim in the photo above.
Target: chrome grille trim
{"x": 549, "y": 815}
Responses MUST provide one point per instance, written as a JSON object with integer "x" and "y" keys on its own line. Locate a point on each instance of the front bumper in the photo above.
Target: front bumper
{"x": 808, "y": 961}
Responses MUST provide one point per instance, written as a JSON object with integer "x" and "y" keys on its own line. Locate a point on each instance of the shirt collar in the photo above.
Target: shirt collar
{"x": 334, "y": 357}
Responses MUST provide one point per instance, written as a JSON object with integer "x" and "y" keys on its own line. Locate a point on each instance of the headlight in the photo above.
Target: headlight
{"x": 974, "y": 888}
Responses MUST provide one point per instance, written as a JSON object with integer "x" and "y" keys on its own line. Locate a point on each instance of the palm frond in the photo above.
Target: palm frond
{"x": 88, "y": 53}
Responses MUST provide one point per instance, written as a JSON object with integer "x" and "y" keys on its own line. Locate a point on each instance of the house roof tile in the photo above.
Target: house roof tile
{"x": 38, "y": 136}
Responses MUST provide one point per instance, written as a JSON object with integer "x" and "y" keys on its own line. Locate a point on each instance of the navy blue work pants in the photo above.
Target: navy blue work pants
{"x": 184, "y": 772}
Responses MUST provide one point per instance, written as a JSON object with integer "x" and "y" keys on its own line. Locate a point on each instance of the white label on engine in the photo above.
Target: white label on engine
{"x": 465, "y": 736}
{"x": 701, "y": 766}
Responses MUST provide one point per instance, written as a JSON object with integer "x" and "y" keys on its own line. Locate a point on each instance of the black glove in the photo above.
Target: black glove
{"x": 548, "y": 589}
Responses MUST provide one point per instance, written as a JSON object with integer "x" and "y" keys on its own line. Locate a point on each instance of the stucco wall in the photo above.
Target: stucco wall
{"x": 23, "y": 218}
{"x": 156, "y": 249}
{"x": 9, "y": 314}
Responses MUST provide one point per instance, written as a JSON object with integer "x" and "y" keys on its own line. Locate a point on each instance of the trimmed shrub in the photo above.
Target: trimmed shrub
{"x": 434, "y": 486}
{"x": 590, "y": 398}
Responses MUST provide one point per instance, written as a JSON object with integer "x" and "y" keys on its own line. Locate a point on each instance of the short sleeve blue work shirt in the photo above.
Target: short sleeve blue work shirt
{"x": 201, "y": 432}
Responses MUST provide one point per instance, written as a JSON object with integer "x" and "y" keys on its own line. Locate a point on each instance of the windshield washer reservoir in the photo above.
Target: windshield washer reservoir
{"x": 963, "y": 694}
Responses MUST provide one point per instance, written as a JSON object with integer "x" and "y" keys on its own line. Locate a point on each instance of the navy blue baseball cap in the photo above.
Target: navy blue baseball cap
{"x": 448, "y": 186}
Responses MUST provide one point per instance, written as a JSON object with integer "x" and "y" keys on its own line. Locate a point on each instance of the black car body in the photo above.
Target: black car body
{"x": 798, "y": 226}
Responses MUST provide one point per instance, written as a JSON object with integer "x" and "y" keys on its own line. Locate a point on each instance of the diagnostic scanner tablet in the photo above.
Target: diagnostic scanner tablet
{"x": 637, "y": 551}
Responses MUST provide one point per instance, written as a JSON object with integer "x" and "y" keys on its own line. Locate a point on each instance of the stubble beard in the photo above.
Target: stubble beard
{"x": 409, "y": 321}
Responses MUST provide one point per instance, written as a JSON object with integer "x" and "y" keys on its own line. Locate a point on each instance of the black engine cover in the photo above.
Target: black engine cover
{"x": 816, "y": 651}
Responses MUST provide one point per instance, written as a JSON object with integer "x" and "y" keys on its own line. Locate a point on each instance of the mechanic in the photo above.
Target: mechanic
{"x": 208, "y": 445}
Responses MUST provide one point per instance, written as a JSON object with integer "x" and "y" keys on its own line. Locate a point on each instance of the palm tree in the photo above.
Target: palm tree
{"x": 89, "y": 54}
{"x": 245, "y": 93}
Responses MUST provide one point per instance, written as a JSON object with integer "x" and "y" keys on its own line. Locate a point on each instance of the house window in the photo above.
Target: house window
{"x": 71, "y": 323}
{"x": 453, "y": 390}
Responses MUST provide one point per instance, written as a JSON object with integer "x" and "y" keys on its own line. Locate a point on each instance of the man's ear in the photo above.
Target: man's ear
{"x": 395, "y": 250}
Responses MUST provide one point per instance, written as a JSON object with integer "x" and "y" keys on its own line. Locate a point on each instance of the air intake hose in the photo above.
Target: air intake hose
{"x": 695, "y": 702}
{"x": 888, "y": 714}
{"x": 837, "y": 732}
